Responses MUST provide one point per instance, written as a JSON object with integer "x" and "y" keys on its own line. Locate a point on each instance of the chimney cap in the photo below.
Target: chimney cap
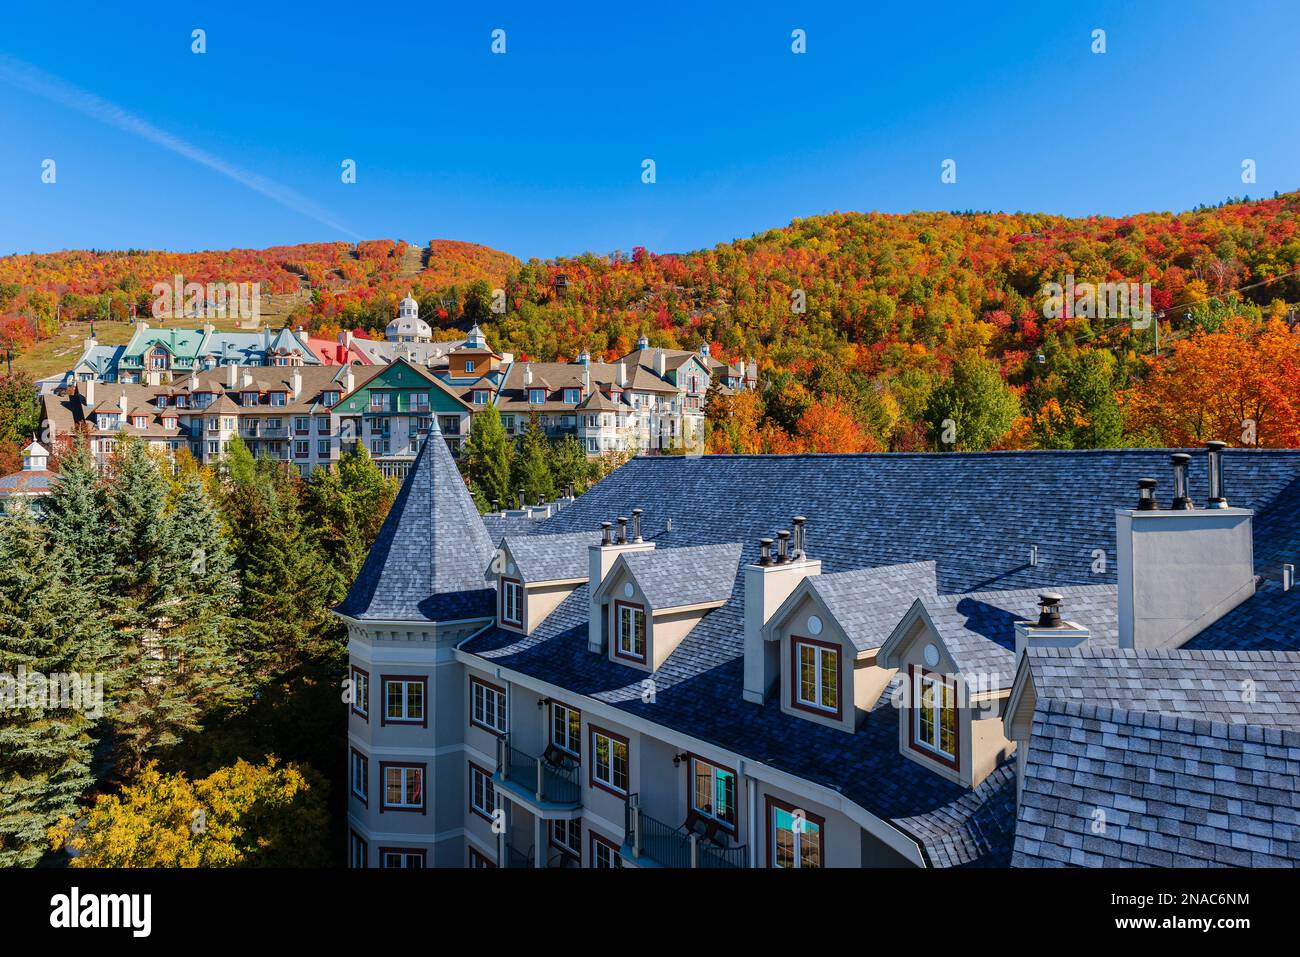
{"x": 1215, "y": 445}
{"x": 1180, "y": 458}
{"x": 1049, "y": 603}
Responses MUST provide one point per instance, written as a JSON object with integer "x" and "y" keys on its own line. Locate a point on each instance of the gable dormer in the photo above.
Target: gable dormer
{"x": 653, "y": 599}
{"x": 829, "y": 632}
{"x": 533, "y": 574}
{"x": 601, "y": 558}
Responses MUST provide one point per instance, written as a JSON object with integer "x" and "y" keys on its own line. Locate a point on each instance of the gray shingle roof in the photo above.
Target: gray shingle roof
{"x": 967, "y": 512}
{"x": 1114, "y": 788}
{"x": 979, "y": 628}
{"x": 542, "y": 558}
{"x": 427, "y": 563}
{"x": 674, "y": 577}
{"x": 1236, "y": 687}
{"x": 868, "y": 603}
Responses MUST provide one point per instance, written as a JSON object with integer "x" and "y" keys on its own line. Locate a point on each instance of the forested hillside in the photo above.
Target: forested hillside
{"x": 872, "y": 331}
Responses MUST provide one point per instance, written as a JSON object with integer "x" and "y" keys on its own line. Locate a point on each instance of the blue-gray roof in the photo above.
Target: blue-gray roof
{"x": 974, "y": 514}
{"x": 541, "y": 558}
{"x": 869, "y": 602}
{"x": 676, "y": 577}
{"x": 979, "y": 628}
{"x": 428, "y": 561}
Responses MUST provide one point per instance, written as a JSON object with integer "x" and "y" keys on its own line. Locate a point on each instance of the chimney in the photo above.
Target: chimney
{"x": 246, "y": 379}
{"x": 622, "y": 375}
{"x": 232, "y": 375}
{"x": 661, "y": 364}
{"x": 1180, "y": 570}
{"x": 349, "y": 381}
{"x": 768, "y": 583}
{"x": 295, "y": 381}
{"x": 121, "y": 403}
{"x": 1214, "y": 457}
{"x": 1181, "y": 502}
{"x": 636, "y": 525}
{"x": 1051, "y": 630}
{"x": 600, "y": 559}
{"x": 1288, "y": 577}
{"x": 88, "y": 392}
{"x": 528, "y": 374}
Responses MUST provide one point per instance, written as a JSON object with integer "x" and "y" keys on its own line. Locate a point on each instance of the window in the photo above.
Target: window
{"x": 479, "y": 861}
{"x": 404, "y": 700}
{"x": 536, "y": 396}
{"x": 358, "y": 851}
{"x": 567, "y": 836}
{"x": 631, "y": 631}
{"x": 322, "y": 425}
{"x": 512, "y": 600}
{"x": 609, "y": 762}
{"x": 487, "y": 706}
{"x": 934, "y": 716}
{"x": 480, "y": 396}
{"x": 379, "y": 402}
{"x": 572, "y": 396}
{"x": 604, "y": 853}
{"x": 277, "y": 398}
{"x": 482, "y": 795}
{"x": 360, "y": 776}
{"x": 816, "y": 678}
{"x": 301, "y": 425}
{"x": 323, "y": 448}
{"x": 403, "y": 787}
{"x": 301, "y": 449}
{"x": 361, "y": 693}
{"x": 469, "y": 365}
{"x": 508, "y": 422}
{"x": 401, "y": 857}
{"x": 419, "y": 401}
{"x": 713, "y": 792}
{"x": 566, "y": 728}
{"x": 329, "y": 398}
{"x": 214, "y": 425}
{"x": 794, "y": 836}
{"x": 250, "y": 398}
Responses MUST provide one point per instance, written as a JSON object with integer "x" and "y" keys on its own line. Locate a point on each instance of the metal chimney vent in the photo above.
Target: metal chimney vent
{"x": 1147, "y": 495}
{"x": 1049, "y": 604}
{"x": 1214, "y": 452}
{"x": 1181, "y": 501}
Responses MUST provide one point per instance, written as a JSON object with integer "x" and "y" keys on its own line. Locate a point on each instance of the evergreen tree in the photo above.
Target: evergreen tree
{"x": 49, "y": 629}
{"x": 976, "y": 402}
{"x": 346, "y": 506}
{"x": 75, "y": 516}
{"x": 569, "y": 464}
{"x": 488, "y": 458}
{"x": 533, "y": 466}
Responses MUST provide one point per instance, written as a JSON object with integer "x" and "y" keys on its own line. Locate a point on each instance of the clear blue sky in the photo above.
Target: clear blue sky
{"x": 538, "y": 152}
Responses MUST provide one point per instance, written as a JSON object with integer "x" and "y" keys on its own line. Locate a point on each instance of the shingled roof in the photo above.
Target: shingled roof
{"x": 869, "y": 602}
{"x": 550, "y": 557}
{"x": 677, "y": 577}
{"x": 966, "y": 512}
{"x": 427, "y": 563}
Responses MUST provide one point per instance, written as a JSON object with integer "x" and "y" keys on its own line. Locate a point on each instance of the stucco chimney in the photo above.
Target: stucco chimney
{"x": 1180, "y": 570}
{"x": 349, "y": 381}
{"x": 600, "y": 559}
{"x": 232, "y": 375}
{"x": 246, "y": 379}
{"x": 622, "y": 374}
{"x": 88, "y": 393}
{"x": 661, "y": 363}
{"x": 1051, "y": 630}
{"x": 528, "y": 374}
{"x": 295, "y": 381}
{"x": 768, "y": 583}
{"x": 121, "y": 403}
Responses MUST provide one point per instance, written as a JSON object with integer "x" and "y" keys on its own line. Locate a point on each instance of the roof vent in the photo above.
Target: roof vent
{"x": 1181, "y": 501}
{"x": 765, "y": 551}
{"x": 1147, "y": 495}
{"x": 604, "y": 533}
{"x": 636, "y": 524}
{"x": 523, "y": 502}
{"x": 799, "y": 522}
{"x": 1288, "y": 577}
{"x": 782, "y": 547}
{"x": 1049, "y": 613}
{"x": 1214, "y": 452}
{"x": 622, "y": 529}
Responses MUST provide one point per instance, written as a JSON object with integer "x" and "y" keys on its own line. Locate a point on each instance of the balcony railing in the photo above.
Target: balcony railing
{"x": 548, "y": 782}
{"x": 668, "y": 846}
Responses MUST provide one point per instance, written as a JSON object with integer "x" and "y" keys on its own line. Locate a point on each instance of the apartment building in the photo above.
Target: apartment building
{"x": 873, "y": 660}
{"x": 391, "y": 409}
{"x": 284, "y": 413}
{"x": 171, "y": 351}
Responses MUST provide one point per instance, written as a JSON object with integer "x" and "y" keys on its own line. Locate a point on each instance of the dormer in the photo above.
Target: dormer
{"x": 534, "y": 574}
{"x": 654, "y": 599}
{"x": 139, "y": 421}
{"x": 600, "y": 562}
{"x": 828, "y": 635}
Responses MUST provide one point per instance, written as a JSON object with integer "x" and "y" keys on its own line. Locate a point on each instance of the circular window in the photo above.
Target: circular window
{"x": 627, "y": 589}
{"x": 511, "y": 570}
{"x": 931, "y": 655}
{"x": 814, "y": 625}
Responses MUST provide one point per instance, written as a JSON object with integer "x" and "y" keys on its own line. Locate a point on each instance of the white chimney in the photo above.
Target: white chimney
{"x": 767, "y": 584}
{"x": 1051, "y": 630}
{"x": 600, "y": 559}
{"x": 88, "y": 392}
{"x": 295, "y": 381}
{"x": 349, "y": 381}
{"x": 661, "y": 364}
{"x": 1180, "y": 570}
{"x": 232, "y": 375}
{"x": 622, "y": 374}
{"x": 121, "y": 403}
{"x": 90, "y": 344}
{"x": 528, "y": 374}
{"x": 246, "y": 379}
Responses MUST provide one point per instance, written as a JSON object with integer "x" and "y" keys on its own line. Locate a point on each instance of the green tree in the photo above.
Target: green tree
{"x": 1085, "y": 413}
{"x": 75, "y": 516}
{"x": 347, "y": 506}
{"x": 532, "y": 465}
{"x": 973, "y": 408}
{"x": 49, "y": 630}
{"x": 569, "y": 464}
{"x": 488, "y": 457}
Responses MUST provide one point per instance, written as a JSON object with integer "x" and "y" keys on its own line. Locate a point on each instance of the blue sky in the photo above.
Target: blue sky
{"x": 539, "y": 151}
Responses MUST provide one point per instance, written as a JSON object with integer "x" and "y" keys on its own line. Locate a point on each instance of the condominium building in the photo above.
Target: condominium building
{"x": 845, "y": 661}
{"x": 154, "y": 354}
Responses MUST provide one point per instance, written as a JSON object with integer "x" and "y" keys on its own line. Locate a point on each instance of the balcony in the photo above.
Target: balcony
{"x": 651, "y": 842}
{"x": 542, "y": 783}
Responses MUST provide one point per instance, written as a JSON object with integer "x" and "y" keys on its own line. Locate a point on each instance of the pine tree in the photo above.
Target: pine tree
{"x": 75, "y": 515}
{"x": 569, "y": 464}
{"x": 533, "y": 466}
{"x": 48, "y": 629}
{"x": 488, "y": 457}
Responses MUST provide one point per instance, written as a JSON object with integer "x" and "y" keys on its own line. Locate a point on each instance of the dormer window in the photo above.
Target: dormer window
{"x": 469, "y": 365}
{"x": 934, "y": 716}
{"x": 480, "y": 396}
{"x": 512, "y": 602}
{"x": 817, "y": 676}
{"x": 250, "y": 398}
{"x": 169, "y": 422}
{"x": 631, "y": 632}
{"x": 329, "y": 398}
{"x": 139, "y": 421}
{"x": 572, "y": 396}
{"x": 536, "y": 396}
{"x": 277, "y": 398}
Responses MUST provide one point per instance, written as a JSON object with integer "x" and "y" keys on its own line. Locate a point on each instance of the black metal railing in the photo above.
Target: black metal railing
{"x": 670, "y": 846}
{"x": 549, "y": 782}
